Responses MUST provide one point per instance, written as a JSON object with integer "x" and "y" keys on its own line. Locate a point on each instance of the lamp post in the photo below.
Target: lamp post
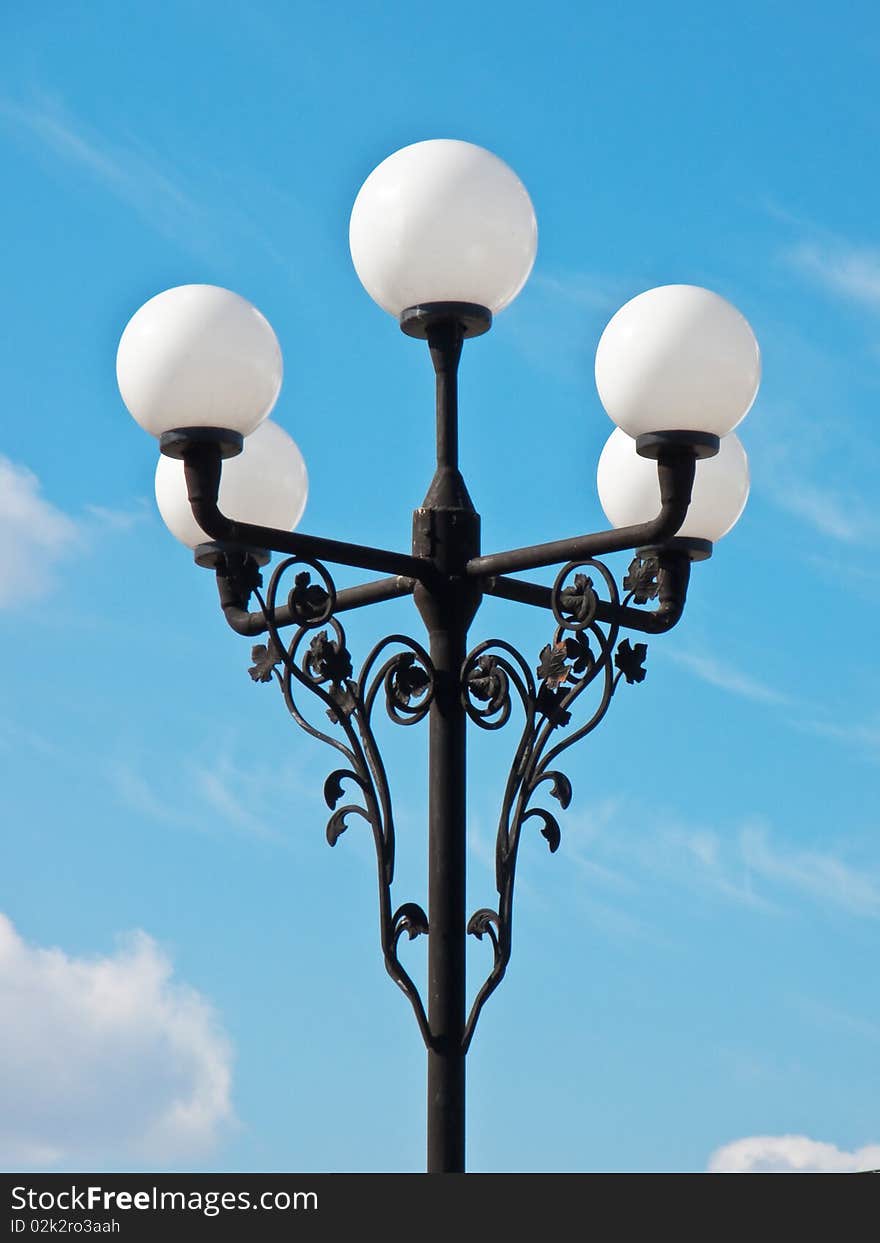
{"x": 443, "y": 236}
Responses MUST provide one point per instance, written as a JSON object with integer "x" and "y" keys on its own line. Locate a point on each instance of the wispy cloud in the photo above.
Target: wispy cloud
{"x": 140, "y": 794}
{"x": 36, "y": 535}
{"x": 790, "y": 1154}
{"x": 584, "y": 290}
{"x": 815, "y": 874}
{"x": 637, "y": 851}
{"x": 748, "y": 865}
{"x": 119, "y": 520}
{"x": 557, "y": 320}
{"x": 820, "y": 470}
{"x": 816, "y": 471}
{"x": 727, "y": 678}
{"x": 830, "y": 1018}
{"x": 854, "y": 572}
{"x": 217, "y": 794}
{"x": 14, "y": 735}
{"x": 851, "y": 272}
{"x": 842, "y": 518}
{"x": 803, "y": 717}
{"x": 192, "y": 205}
{"x": 219, "y": 787}
{"x": 128, "y": 170}
{"x": 861, "y": 734}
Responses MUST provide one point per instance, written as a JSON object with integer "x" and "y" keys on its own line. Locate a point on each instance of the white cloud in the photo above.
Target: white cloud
{"x": 35, "y": 535}
{"x": 105, "y": 1060}
{"x": 790, "y": 1154}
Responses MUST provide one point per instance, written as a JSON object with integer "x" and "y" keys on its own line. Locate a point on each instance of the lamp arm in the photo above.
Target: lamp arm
{"x": 202, "y": 466}
{"x": 674, "y": 568}
{"x": 675, "y": 471}
{"x": 234, "y": 591}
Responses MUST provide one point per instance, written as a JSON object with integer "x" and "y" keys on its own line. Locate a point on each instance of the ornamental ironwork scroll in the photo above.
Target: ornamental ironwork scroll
{"x": 583, "y": 654}
{"x": 399, "y": 671}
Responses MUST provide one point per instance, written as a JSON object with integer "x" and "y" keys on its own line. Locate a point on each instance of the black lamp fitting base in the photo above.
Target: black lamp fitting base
{"x": 695, "y": 549}
{"x": 176, "y": 443}
{"x": 655, "y": 444}
{"x": 213, "y": 554}
{"x": 417, "y": 321}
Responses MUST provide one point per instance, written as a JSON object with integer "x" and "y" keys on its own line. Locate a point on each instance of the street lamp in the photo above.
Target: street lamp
{"x": 443, "y": 236}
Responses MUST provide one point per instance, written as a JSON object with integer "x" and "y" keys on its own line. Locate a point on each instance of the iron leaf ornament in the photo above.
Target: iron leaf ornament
{"x": 242, "y": 572}
{"x": 631, "y": 660}
{"x": 578, "y": 602}
{"x": 266, "y": 657}
{"x": 328, "y": 659}
{"x": 410, "y": 681}
{"x": 553, "y": 664}
{"x": 484, "y": 682}
{"x": 641, "y": 579}
{"x": 307, "y": 600}
{"x": 549, "y": 703}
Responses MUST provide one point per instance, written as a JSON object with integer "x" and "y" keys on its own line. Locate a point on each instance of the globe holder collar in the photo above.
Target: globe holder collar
{"x": 694, "y": 549}
{"x": 182, "y": 440}
{"x": 214, "y": 554}
{"x": 661, "y": 444}
{"x": 472, "y": 319}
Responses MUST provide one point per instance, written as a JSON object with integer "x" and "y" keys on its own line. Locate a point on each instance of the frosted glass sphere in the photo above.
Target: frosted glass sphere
{"x": 267, "y": 484}
{"x": 443, "y": 221}
{"x": 678, "y": 358}
{"x": 630, "y": 492}
{"x": 198, "y": 356}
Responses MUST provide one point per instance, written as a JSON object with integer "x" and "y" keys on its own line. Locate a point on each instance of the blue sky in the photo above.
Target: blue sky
{"x": 190, "y": 977}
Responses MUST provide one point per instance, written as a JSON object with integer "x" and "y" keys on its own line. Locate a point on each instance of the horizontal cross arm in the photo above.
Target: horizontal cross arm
{"x": 202, "y": 465}
{"x": 673, "y": 577}
{"x": 252, "y": 624}
{"x": 676, "y": 476}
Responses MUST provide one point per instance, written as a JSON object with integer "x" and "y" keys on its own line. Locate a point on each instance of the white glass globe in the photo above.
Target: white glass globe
{"x": 630, "y": 492}
{"x": 443, "y": 221}
{"x": 678, "y": 358}
{"x": 198, "y": 356}
{"x": 266, "y": 484}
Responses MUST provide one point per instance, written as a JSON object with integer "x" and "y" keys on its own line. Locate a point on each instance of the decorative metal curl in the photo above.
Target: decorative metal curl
{"x": 317, "y": 658}
{"x": 580, "y": 655}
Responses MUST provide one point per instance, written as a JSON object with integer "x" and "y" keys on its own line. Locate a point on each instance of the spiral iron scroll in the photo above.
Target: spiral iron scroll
{"x": 323, "y": 666}
{"x": 582, "y": 654}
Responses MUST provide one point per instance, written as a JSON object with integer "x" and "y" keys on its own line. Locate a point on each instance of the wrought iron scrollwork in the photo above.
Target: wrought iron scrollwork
{"x": 583, "y": 653}
{"x": 399, "y": 670}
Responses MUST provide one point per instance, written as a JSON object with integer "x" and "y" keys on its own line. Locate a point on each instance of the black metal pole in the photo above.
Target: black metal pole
{"x": 446, "y": 907}
{"x": 446, "y": 529}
